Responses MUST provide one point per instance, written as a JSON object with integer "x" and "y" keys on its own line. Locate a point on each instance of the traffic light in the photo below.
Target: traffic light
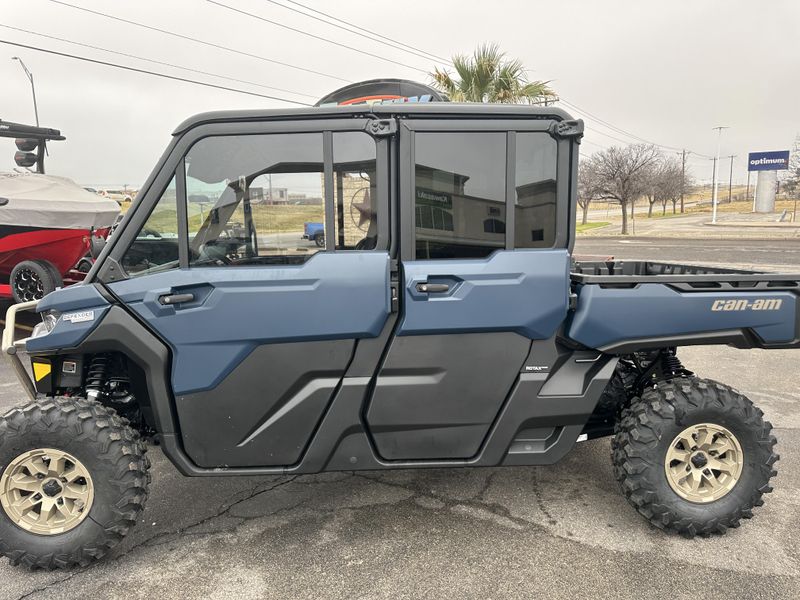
{"x": 25, "y": 156}
{"x": 30, "y": 143}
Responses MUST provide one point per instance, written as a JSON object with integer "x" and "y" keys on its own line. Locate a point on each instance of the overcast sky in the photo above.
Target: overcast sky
{"x": 664, "y": 71}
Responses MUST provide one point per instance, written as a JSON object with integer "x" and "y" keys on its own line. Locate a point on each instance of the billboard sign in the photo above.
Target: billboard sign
{"x": 768, "y": 161}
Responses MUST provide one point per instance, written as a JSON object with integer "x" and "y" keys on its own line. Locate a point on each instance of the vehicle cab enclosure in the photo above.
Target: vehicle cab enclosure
{"x": 437, "y": 323}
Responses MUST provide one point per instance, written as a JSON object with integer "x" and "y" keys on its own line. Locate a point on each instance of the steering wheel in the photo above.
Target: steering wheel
{"x": 214, "y": 253}
{"x": 150, "y": 232}
{"x": 367, "y": 243}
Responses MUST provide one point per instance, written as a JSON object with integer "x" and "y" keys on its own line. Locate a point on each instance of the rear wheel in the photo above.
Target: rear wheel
{"x": 33, "y": 280}
{"x": 73, "y": 480}
{"x": 694, "y": 456}
{"x": 319, "y": 240}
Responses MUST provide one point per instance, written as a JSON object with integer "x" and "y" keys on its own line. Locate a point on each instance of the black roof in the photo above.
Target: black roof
{"x": 475, "y": 110}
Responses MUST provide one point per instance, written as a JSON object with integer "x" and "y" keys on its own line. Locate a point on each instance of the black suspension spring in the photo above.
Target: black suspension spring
{"x": 96, "y": 375}
{"x": 671, "y": 365}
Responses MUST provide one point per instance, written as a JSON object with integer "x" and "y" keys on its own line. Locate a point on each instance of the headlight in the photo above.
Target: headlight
{"x": 49, "y": 320}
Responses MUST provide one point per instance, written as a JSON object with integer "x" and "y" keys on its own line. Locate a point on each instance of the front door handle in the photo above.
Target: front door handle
{"x": 432, "y": 288}
{"x": 170, "y": 299}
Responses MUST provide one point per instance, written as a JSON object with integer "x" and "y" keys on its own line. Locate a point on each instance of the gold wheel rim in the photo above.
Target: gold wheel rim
{"x": 46, "y": 491}
{"x": 704, "y": 463}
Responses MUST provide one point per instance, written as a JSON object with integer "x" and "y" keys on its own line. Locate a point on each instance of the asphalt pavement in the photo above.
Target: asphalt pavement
{"x": 562, "y": 531}
{"x": 699, "y": 225}
{"x": 772, "y": 255}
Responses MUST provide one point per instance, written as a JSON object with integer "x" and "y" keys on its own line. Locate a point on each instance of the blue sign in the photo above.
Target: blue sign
{"x": 768, "y": 161}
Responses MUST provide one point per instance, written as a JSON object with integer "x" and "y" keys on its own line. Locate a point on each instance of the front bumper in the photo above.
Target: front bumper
{"x": 10, "y": 346}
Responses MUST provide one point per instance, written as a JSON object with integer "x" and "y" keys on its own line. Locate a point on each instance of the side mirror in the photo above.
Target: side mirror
{"x": 3, "y": 201}
{"x": 96, "y": 246}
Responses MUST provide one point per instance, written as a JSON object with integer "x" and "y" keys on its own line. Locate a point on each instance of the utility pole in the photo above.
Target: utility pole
{"x": 29, "y": 75}
{"x": 683, "y": 176}
{"x": 719, "y": 129}
{"x": 747, "y": 194}
{"x": 730, "y": 181}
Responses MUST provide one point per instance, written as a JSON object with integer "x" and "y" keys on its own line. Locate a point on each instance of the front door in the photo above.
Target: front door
{"x": 485, "y": 271}
{"x": 262, "y": 319}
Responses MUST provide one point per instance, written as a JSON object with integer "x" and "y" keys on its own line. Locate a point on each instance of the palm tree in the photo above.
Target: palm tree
{"x": 487, "y": 76}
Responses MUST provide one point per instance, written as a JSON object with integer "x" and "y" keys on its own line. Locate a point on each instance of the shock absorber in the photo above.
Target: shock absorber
{"x": 96, "y": 375}
{"x": 671, "y": 365}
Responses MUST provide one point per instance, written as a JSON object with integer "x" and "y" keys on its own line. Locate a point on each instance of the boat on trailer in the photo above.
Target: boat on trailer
{"x": 47, "y": 225}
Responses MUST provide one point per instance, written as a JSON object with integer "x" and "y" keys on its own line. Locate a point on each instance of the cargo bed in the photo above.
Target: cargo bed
{"x": 622, "y": 306}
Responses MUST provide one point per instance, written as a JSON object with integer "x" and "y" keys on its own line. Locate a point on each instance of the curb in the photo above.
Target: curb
{"x": 775, "y": 224}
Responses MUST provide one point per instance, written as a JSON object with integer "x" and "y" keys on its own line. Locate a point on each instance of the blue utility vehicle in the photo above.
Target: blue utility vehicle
{"x": 440, "y": 321}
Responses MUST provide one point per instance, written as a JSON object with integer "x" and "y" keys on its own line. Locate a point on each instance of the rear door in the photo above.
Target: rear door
{"x": 261, "y": 321}
{"x": 485, "y": 267}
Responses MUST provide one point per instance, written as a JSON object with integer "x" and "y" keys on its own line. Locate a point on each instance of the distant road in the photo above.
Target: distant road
{"x": 781, "y": 254}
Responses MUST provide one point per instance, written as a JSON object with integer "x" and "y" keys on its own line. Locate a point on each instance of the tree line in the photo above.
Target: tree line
{"x": 625, "y": 174}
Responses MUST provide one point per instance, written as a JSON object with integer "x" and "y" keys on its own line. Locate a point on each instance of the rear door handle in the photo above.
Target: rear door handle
{"x": 171, "y": 299}
{"x": 432, "y": 288}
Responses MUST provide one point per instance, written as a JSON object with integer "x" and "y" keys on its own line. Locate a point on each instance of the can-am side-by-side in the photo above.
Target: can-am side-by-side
{"x": 441, "y": 322}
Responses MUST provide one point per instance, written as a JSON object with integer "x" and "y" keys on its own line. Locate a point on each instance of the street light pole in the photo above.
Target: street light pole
{"x": 730, "y": 181}
{"x": 33, "y": 88}
{"x": 714, "y": 183}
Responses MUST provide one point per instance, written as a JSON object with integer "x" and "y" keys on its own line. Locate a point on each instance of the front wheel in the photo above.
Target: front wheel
{"x": 694, "y": 456}
{"x": 73, "y": 480}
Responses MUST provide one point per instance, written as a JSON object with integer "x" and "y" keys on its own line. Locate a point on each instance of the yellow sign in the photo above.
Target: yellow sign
{"x": 41, "y": 370}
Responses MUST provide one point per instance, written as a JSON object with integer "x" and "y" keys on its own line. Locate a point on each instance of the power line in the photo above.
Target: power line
{"x": 311, "y": 35}
{"x": 591, "y": 143}
{"x": 598, "y": 132}
{"x": 158, "y": 62}
{"x": 623, "y": 131}
{"x": 614, "y": 127}
{"x": 378, "y": 38}
{"x": 198, "y": 41}
{"x": 154, "y": 73}
{"x": 375, "y": 33}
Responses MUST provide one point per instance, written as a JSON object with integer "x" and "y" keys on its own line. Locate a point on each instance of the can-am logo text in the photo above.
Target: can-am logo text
{"x": 733, "y": 305}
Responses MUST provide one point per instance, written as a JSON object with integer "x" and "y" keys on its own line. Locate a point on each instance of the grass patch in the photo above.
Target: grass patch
{"x": 669, "y": 215}
{"x": 587, "y": 226}
{"x": 742, "y": 207}
{"x": 267, "y": 218}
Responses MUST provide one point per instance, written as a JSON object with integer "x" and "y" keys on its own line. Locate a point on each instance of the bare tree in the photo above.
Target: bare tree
{"x": 668, "y": 181}
{"x": 622, "y": 174}
{"x": 587, "y": 188}
{"x": 650, "y": 190}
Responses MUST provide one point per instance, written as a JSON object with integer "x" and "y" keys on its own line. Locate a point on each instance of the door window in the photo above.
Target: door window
{"x": 460, "y": 191}
{"x": 535, "y": 184}
{"x": 255, "y": 199}
{"x": 355, "y": 191}
{"x": 156, "y": 245}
